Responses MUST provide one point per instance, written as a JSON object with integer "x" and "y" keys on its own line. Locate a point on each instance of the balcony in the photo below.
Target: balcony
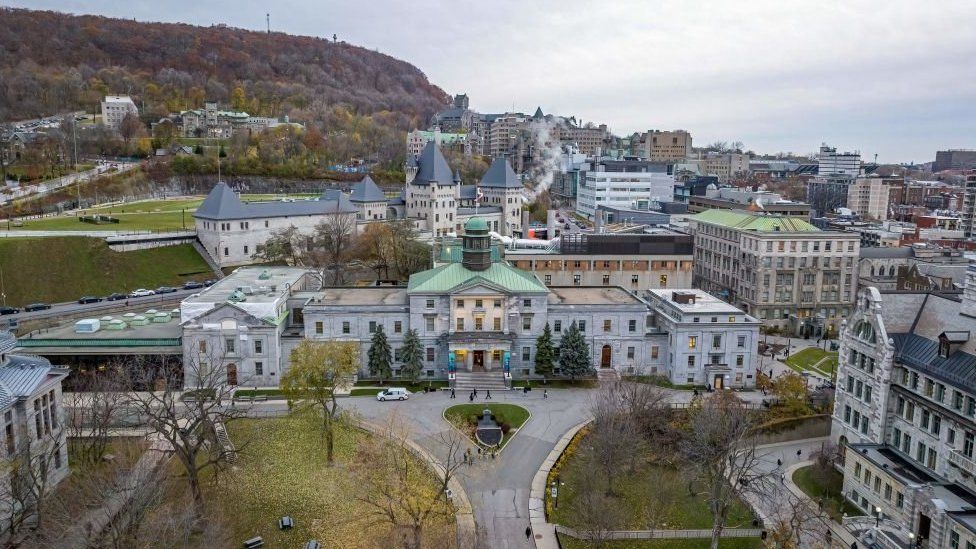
{"x": 958, "y": 459}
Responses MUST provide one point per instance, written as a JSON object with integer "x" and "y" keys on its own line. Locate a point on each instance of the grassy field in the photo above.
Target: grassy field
{"x": 813, "y": 360}
{"x": 727, "y": 543}
{"x": 831, "y": 492}
{"x": 283, "y": 471}
{"x": 469, "y": 414}
{"x": 149, "y": 215}
{"x": 59, "y": 269}
{"x": 655, "y": 496}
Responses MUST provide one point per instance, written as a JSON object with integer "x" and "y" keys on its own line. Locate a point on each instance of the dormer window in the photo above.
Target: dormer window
{"x": 944, "y": 348}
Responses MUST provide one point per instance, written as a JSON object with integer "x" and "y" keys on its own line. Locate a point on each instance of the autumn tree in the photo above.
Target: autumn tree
{"x": 792, "y": 393}
{"x": 380, "y": 359}
{"x": 287, "y": 245}
{"x": 318, "y": 370}
{"x": 238, "y": 99}
{"x": 545, "y": 353}
{"x": 412, "y": 355}
{"x": 722, "y": 464}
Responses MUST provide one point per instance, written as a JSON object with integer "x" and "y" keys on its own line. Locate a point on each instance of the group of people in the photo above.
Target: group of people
{"x": 468, "y": 457}
{"x": 474, "y": 393}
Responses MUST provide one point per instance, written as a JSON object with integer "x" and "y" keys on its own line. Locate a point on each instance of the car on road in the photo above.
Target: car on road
{"x": 141, "y": 292}
{"x": 89, "y": 299}
{"x": 9, "y": 310}
{"x": 33, "y": 307}
{"x": 209, "y": 282}
{"x": 193, "y": 285}
{"x": 165, "y": 290}
{"x": 116, "y": 297}
{"x": 393, "y": 393}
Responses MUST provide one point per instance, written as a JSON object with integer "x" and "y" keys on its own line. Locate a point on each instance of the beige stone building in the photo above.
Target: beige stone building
{"x": 665, "y": 146}
{"x": 868, "y": 197}
{"x": 782, "y": 270}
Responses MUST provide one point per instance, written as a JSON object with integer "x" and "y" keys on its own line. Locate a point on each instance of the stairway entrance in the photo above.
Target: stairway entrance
{"x": 478, "y": 361}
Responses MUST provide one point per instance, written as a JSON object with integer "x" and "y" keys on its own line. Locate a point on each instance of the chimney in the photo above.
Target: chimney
{"x": 551, "y": 223}
{"x": 525, "y": 222}
{"x": 684, "y": 298}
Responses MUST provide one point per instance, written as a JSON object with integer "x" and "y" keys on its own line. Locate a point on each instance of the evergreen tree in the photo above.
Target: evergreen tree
{"x": 198, "y": 149}
{"x": 412, "y": 355}
{"x": 379, "y": 355}
{"x": 574, "y": 353}
{"x": 545, "y": 354}
{"x": 222, "y": 153}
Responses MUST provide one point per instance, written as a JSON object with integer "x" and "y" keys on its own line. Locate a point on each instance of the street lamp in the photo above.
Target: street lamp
{"x": 877, "y": 517}
{"x": 554, "y": 491}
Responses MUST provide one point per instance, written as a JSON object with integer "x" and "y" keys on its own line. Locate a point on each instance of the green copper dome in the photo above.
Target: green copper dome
{"x": 476, "y": 224}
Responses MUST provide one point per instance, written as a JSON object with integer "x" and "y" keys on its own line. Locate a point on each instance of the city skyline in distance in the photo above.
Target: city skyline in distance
{"x": 886, "y": 79}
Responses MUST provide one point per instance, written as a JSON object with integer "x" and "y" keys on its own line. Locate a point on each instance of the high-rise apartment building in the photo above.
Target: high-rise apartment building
{"x": 665, "y": 146}
{"x": 114, "y": 109}
{"x": 954, "y": 159}
{"x": 631, "y": 190}
{"x": 868, "y": 197}
{"x": 831, "y": 162}
{"x": 969, "y": 208}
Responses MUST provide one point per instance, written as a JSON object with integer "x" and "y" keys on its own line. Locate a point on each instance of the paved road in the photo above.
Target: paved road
{"x": 499, "y": 489}
{"x": 73, "y": 308}
{"x": 41, "y": 189}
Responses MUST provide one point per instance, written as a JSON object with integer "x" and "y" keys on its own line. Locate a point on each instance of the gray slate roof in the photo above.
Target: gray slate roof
{"x": 366, "y": 191}
{"x": 468, "y": 192}
{"x": 433, "y": 167}
{"x": 20, "y": 376}
{"x": 223, "y": 203}
{"x": 501, "y": 174}
{"x": 877, "y": 252}
{"x": 921, "y": 353}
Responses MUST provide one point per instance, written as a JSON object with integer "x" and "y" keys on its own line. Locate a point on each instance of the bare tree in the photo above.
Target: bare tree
{"x": 287, "y": 245}
{"x": 721, "y": 457}
{"x": 131, "y": 127}
{"x": 594, "y": 513}
{"x": 400, "y": 489}
{"x": 193, "y": 422}
{"x": 26, "y": 485}
{"x": 797, "y": 523}
{"x": 97, "y": 405}
{"x": 334, "y": 239}
{"x": 648, "y": 406}
{"x": 615, "y": 439}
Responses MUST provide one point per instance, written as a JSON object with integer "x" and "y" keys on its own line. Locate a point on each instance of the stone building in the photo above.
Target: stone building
{"x": 905, "y": 416}
{"x": 783, "y": 270}
{"x": 115, "y": 108}
{"x": 478, "y": 320}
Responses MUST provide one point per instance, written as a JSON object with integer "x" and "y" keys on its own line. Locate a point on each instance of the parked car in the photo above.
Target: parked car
{"x": 209, "y": 282}
{"x": 9, "y": 310}
{"x": 393, "y": 393}
{"x": 36, "y": 307}
{"x": 89, "y": 299}
{"x": 142, "y": 292}
{"x": 165, "y": 290}
{"x": 193, "y": 285}
{"x": 116, "y": 297}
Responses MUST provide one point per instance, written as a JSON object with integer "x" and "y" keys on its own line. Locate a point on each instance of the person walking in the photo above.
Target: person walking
{"x": 452, "y": 392}
{"x": 798, "y": 452}
{"x": 471, "y": 397}
{"x": 782, "y": 478}
{"x": 528, "y": 532}
{"x": 488, "y": 394}
{"x": 475, "y": 391}
{"x": 779, "y": 463}
{"x": 545, "y": 394}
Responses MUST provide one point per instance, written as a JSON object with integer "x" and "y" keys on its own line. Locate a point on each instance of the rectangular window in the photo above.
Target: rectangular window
{"x": 229, "y": 344}
{"x": 430, "y": 303}
{"x": 397, "y": 354}
{"x": 496, "y": 323}
{"x": 548, "y": 280}
{"x": 739, "y": 360}
{"x": 259, "y": 368}
{"x": 459, "y": 324}
{"x": 582, "y": 325}
{"x": 429, "y": 323}
{"x": 526, "y": 354}
{"x": 202, "y": 345}
{"x": 372, "y": 326}
{"x": 460, "y": 304}
{"x": 345, "y": 327}
{"x": 692, "y": 342}
{"x": 630, "y": 352}
{"x": 741, "y": 342}
{"x": 716, "y": 341}
{"x": 397, "y": 326}
{"x": 479, "y": 324}
{"x": 691, "y": 361}
{"x": 607, "y": 325}
{"x": 655, "y": 351}
{"x": 258, "y": 346}
{"x": 430, "y": 354}
{"x": 526, "y": 302}
{"x": 497, "y": 304}
{"x": 557, "y": 326}
{"x": 631, "y": 326}
{"x": 526, "y": 323}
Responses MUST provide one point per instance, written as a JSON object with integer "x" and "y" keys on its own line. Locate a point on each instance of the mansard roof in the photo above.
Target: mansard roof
{"x": 366, "y": 191}
{"x": 501, "y": 174}
{"x": 433, "y": 167}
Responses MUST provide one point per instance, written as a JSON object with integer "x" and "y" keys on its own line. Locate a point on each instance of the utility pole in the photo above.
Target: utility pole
{"x": 74, "y": 137}
{"x": 267, "y": 18}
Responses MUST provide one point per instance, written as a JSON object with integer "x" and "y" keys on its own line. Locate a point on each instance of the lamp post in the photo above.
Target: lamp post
{"x": 554, "y": 491}
{"x": 877, "y": 517}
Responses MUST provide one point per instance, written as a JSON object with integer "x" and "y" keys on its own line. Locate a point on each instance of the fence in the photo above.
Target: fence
{"x": 659, "y": 534}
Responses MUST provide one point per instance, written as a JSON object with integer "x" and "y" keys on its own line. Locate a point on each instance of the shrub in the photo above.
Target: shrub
{"x": 506, "y": 427}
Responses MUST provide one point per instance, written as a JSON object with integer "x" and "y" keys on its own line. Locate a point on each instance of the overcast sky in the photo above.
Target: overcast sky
{"x": 888, "y": 77}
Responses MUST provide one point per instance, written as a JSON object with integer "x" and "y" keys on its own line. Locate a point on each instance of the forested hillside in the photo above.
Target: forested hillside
{"x": 53, "y": 62}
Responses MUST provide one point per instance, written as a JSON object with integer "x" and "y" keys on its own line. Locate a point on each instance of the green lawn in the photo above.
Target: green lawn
{"x": 148, "y": 215}
{"x": 831, "y": 492}
{"x": 283, "y": 471}
{"x": 814, "y": 360}
{"x": 65, "y": 268}
{"x": 727, "y": 543}
{"x": 467, "y": 415}
{"x": 656, "y": 495}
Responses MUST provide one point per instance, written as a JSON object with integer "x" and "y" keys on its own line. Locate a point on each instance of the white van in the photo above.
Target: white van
{"x": 393, "y": 393}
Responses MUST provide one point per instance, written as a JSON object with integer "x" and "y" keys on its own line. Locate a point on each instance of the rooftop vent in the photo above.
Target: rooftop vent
{"x": 265, "y": 275}
{"x": 684, "y": 298}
